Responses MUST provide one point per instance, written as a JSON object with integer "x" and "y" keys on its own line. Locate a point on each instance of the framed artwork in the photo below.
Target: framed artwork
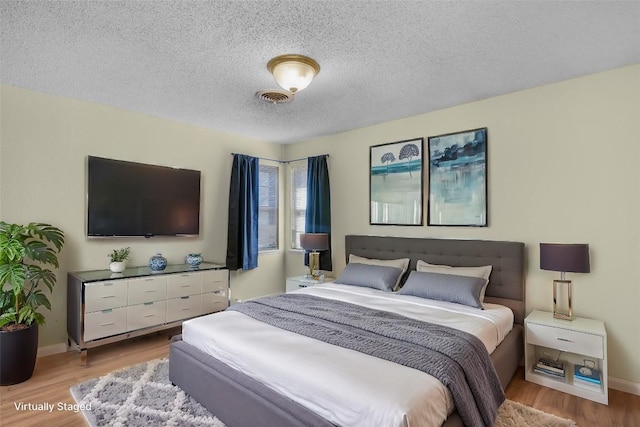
{"x": 458, "y": 179}
{"x": 396, "y": 183}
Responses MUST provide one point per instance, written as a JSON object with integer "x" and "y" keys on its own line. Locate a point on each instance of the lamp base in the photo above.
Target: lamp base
{"x": 565, "y": 313}
{"x": 314, "y": 265}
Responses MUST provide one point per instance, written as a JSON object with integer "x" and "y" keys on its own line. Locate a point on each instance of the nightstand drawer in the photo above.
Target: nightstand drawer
{"x": 565, "y": 340}
{"x": 295, "y": 283}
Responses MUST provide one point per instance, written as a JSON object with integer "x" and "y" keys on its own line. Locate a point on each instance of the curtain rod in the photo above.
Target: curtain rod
{"x": 285, "y": 161}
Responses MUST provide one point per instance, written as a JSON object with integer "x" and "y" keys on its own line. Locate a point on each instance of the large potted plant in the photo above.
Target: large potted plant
{"x": 25, "y": 252}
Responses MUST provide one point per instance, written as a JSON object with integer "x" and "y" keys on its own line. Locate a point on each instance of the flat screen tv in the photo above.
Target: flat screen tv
{"x": 135, "y": 199}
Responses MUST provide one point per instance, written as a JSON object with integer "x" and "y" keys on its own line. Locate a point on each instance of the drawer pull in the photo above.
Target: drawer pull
{"x": 149, "y": 280}
{"x": 151, "y": 290}
{"x": 217, "y": 292}
{"x": 107, "y": 284}
{"x": 149, "y": 315}
{"x": 185, "y": 275}
{"x": 108, "y": 296}
{"x": 185, "y": 309}
{"x": 148, "y": 303}
{"x": 563, "y": 339}
{"x": 107, "y": 324}
{"x": 184, "y": 297}
{"x": 185, "y": 286}
{"x": 107, "y": 310}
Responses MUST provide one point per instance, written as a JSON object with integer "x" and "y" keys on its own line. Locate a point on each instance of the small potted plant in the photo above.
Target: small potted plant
{"x": 118, "y": 258}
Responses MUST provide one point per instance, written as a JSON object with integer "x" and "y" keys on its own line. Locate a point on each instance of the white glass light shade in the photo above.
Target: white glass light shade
{"x": 293, "y": 72}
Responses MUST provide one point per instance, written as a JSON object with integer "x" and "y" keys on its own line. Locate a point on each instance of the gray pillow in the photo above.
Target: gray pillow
{"x": 445, "y": 287}
{"x": 370, "y": 276}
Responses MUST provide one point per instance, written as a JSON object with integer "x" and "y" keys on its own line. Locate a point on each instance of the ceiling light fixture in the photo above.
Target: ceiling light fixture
{"x": 293, "y": 72}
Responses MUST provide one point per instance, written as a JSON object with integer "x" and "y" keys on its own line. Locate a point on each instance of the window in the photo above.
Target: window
{"x": 268, "y": 208}
{"x": 298, "y": 203}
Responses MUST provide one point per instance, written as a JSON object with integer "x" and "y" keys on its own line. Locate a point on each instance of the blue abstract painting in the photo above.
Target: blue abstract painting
{"x": 458, "y": 179}
{"x": 396, "y": 183}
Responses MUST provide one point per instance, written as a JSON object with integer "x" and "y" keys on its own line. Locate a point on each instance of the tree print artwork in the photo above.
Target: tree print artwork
{"x": 396, "y": 180}
{"x": 387, "y": 158}
{"x": 409, "y": 151}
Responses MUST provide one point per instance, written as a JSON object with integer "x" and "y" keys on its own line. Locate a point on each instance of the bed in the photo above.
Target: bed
{"x": 240, "y": 400}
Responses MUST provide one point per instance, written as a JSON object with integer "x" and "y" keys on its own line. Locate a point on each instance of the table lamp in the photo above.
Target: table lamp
{"x": 565, "y": 258}
{"x": 314, "y": 242}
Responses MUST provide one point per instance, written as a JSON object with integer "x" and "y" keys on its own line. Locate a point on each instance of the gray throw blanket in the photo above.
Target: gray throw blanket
{"x": 458, "y": 359}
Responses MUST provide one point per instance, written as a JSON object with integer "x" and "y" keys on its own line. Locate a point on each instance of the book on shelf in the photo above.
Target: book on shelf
{"x": 550, "y": 363}
{"x": 549, "y": 373}
{"x": 551, "y": 366}
{"x": 586, "y": 374}
{"x": 587, "y": 385}
{"x": 545, "y": 370}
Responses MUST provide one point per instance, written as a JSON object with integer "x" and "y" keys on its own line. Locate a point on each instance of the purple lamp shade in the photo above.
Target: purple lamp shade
{"x": 566, "y": 258}
{"x": 314, "y": 241}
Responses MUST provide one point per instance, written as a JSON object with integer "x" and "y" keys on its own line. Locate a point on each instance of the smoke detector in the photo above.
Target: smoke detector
{"x": 274, "y": 96}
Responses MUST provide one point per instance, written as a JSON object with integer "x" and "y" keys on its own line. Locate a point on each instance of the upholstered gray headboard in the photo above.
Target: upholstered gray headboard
{"x": 506, "y": 283}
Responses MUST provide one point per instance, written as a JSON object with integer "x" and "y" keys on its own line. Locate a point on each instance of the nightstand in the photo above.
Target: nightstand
{"x": 298, "y": 282}
{"x": 571, "y": 342}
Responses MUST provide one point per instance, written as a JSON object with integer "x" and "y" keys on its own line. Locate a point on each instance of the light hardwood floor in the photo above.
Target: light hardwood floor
{"x": 55, "y": 374}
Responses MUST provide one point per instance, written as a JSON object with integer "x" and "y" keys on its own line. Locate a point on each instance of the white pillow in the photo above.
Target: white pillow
{"x": 401, "y": 263}
{"x": 483, "y": 272}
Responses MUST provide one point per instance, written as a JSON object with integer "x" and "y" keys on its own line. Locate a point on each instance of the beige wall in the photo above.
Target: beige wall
{"x": 563, "y": 167}
{"x": 45, "y": 141}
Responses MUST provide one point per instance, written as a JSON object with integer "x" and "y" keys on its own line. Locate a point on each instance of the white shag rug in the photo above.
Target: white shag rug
{"x": 142, "y": 396}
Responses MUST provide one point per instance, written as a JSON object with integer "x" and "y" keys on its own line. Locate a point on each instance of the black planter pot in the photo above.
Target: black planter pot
{"x": 18, "y": 351}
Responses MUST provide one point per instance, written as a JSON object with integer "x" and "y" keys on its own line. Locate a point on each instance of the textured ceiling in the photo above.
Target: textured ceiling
{"x": 202, "y": 62}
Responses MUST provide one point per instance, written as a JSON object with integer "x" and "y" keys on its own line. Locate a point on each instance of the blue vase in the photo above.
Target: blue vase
{"x": 193, "y": 260}
{"x": 157, "y": 262}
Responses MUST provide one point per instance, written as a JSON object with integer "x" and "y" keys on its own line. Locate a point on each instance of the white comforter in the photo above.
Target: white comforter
{"x": 344, "y": 386}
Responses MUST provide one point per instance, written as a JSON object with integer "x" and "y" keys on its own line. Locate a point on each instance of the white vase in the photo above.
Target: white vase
{"x": 117, "y": 266}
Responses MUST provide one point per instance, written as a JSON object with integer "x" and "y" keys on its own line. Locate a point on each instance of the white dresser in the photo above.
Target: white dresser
{"x": 103, "y": 307}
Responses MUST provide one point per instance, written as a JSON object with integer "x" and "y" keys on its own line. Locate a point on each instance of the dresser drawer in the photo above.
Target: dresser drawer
{"x": 105, "y": 323}
{"x": 184, "y": 284}
{"x": 104, "y": 295}
{"x": 183, "y": 308}
{"x": 146, "y": 315}
{"x": 565, "y": 340}
{"x": 147, "y": 289}
{"x": 213, "y": 302}
{"x": 215, "y": 280}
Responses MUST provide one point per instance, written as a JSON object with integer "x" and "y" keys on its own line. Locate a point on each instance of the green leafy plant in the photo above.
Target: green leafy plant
{"x": 25, "y": 251}
{"x": 119, "y": 255}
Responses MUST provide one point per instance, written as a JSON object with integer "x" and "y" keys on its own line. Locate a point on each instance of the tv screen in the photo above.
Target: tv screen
{"x": 135, "y": 199}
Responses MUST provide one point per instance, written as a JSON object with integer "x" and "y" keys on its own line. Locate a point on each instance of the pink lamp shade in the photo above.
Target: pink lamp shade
{"x": 314, "y": 241}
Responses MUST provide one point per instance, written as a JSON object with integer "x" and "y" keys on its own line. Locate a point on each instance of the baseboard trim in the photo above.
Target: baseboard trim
{"x": 48, "y": 350}
{"x": 624, "y": 385}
